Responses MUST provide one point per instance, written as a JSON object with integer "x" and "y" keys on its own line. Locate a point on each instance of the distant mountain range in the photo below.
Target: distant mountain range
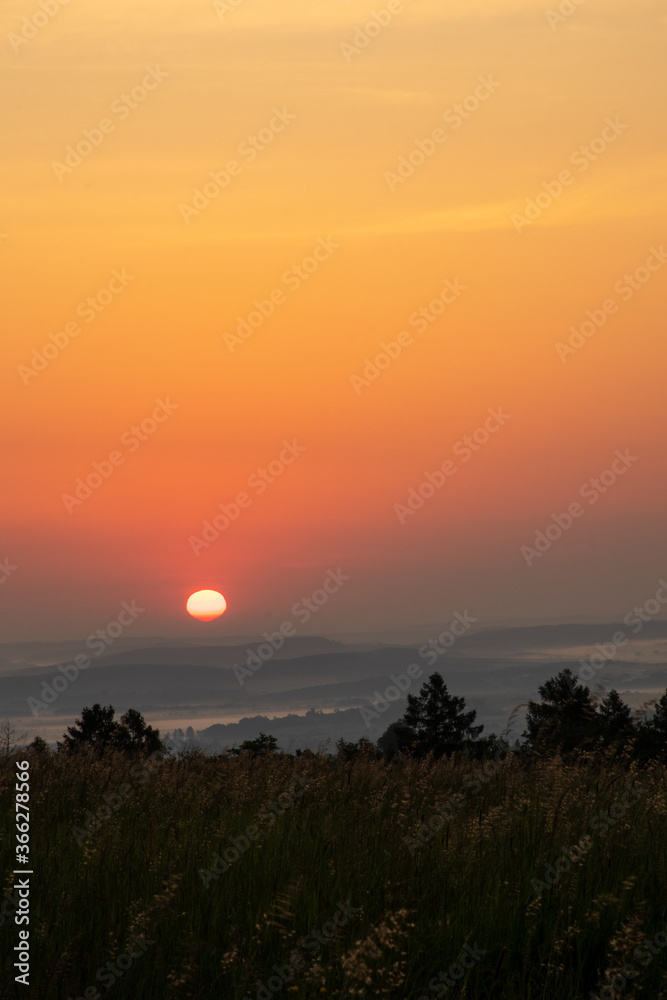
{"x": 311, "y": 689}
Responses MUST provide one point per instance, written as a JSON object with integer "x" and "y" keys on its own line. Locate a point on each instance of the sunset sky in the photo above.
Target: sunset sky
{"x": 331, "y": 210}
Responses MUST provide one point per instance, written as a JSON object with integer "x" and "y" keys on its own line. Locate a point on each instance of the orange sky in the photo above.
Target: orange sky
{"x": 162, "y": 95}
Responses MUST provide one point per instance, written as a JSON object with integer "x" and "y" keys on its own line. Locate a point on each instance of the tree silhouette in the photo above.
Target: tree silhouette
{"x": 564, "y": 719}
{"x": 134, "y": 736}
{"x": 438, "y": 720}
{"x": 347, "y": 750}
{"x": 39, "y": 745}
{"x": 98, "y": 729}
{"x": 615, "y": 720}
{"x": 10, "y": 737}
{"x": 652, "y": 733}
{"x": 258, "y": 747}
{"x": 397, "y": 738}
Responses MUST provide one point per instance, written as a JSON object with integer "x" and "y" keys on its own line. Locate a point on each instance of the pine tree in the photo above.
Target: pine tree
{"x": 615, "y": 719}
{"x": 652, "y": 733}
{"x": 439, "y": 720}
{"x": 564, "y": 719}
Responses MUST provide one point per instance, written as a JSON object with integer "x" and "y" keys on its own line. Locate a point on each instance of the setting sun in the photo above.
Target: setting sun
{"x": 206, "y": 605}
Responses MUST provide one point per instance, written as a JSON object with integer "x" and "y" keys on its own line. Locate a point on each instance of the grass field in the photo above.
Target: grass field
{"x": 234, "y": 877}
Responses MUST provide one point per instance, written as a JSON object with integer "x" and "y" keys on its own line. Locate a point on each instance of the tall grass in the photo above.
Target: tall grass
{"x": 351, "y": 836}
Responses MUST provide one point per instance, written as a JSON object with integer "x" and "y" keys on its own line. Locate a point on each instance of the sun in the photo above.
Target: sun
{"x": 206, "y": 605}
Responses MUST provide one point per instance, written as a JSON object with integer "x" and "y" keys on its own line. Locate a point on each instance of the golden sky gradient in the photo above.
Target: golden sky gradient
{"x": 592, "y": 78}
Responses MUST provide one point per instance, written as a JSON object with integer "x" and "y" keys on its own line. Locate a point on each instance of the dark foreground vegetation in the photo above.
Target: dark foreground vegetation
{"x": 486, "y": 874}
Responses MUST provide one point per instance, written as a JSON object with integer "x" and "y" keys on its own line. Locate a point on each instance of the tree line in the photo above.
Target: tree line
{"x": 567, "y": 720}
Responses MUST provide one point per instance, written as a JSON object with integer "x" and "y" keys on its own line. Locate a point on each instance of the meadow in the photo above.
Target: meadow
{"x": 232, "y": 877}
